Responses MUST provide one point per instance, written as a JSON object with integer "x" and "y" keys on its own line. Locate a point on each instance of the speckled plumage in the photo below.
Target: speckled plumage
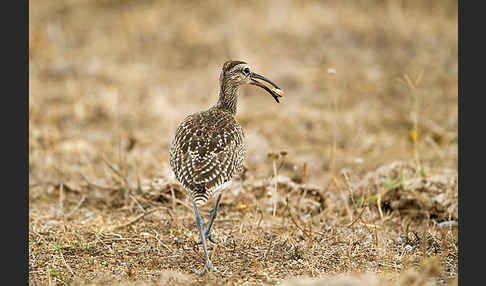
{"x": 207, "y": 151}
{"x": 208, "y": 148}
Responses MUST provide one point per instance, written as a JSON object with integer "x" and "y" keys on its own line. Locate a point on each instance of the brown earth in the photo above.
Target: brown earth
{"x": 350, "y": 180}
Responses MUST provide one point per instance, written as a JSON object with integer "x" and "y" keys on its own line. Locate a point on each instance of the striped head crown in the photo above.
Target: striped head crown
{"x": 236, "y": 73}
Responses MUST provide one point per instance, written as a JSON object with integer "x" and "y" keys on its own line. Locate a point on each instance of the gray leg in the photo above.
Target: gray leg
{"x": 213, "y": 212}
{"x": 199, "y": 223}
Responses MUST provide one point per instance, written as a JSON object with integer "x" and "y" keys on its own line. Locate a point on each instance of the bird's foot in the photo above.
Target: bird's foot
{"x": 208, "y": 268}
{"x": 208, "y": 235}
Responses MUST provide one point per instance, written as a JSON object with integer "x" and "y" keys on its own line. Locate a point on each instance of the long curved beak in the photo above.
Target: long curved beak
{"x": 276, "y": 92}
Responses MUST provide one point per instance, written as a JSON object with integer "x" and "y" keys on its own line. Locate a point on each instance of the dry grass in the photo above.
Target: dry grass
{"x": 350, "y": 180}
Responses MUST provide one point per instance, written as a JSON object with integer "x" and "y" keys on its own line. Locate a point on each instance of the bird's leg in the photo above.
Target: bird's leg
{"x": 199, "y": 223}
{"x": 213, "y": 212}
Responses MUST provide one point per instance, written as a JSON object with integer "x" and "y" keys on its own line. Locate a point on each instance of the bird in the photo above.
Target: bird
{"x": 208, "y": 148}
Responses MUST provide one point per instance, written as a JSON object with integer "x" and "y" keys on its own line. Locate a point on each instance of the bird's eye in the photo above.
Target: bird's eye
{"x": 246, "y": 70}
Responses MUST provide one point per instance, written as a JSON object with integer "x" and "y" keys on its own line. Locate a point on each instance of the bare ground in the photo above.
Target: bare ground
{"x": 350, "y": 180}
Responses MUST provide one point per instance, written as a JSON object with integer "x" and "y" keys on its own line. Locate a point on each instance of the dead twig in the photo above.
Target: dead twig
{"x": 177, "y": 200}
{"x": 136, "y": 202}
{"x": 91, "y": 184}
{"x": 356, "y": 219}
{"x": 161, "y": 243}
{"x": 138, "y": 218}
{"x": 294, "y": 220}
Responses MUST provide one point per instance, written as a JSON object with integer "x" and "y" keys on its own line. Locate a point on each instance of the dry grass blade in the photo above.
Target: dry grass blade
{"x": 378, "y": 203}
{"x": 161, "y": 243}
{"x": 112, "y": 167}
{"x": 65, "y": 263}
{"x": 137, "y": 202}
{"x": 357, "y": 218}
{"x": 305, "y": 173}
{"x": 308, "y": 234}
{"x": 350, "y": 189}
{"x": 408, "y": 81}
{"x": 78, "y": 205}
{"x": 62, "y": 197}
{"x": 401, "y": 81}
{"x": 419, "y": 78}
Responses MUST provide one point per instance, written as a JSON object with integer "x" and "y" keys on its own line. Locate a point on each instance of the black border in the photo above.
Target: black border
{"x": 14, "y": 126}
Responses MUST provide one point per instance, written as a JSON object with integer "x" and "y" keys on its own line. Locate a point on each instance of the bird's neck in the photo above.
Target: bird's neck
{"x": 228, "y": 98}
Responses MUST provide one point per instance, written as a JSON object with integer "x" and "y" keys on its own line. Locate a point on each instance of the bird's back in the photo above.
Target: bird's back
{"x": 207, "y": 151}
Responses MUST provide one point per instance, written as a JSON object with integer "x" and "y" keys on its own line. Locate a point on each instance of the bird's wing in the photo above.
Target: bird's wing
{"x": 206, "y": 155}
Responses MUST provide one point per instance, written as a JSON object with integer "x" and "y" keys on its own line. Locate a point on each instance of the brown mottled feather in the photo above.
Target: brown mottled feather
{"x": 207, "y": 151}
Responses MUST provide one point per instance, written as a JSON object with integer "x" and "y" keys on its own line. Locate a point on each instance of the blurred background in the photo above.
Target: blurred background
{"x": 109, "y": 82}
{"x": 117, "y": 77}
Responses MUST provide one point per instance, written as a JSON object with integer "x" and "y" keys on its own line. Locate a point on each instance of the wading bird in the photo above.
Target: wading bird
{"x": 208, "y": 149}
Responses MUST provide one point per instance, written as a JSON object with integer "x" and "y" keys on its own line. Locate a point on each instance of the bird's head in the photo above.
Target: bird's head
{"x": 236, "y": 73}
